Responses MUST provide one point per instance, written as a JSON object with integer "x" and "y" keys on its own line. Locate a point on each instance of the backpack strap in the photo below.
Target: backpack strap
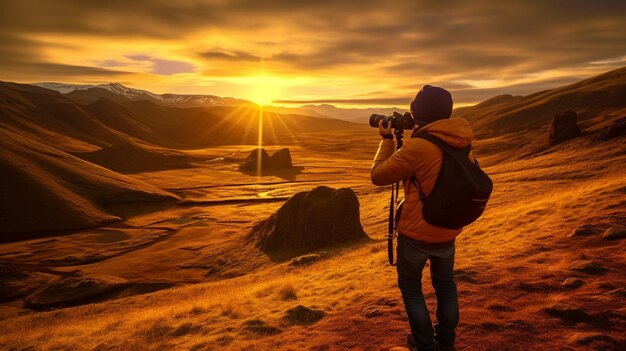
{"x": 413, "y": 179}
{"x": 443, "y": 145}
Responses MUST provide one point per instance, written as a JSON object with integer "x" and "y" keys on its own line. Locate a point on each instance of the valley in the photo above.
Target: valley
{"x": 161, "y": 225}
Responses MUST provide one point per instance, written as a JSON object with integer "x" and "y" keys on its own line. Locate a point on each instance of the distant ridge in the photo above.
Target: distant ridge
{"x": 88, "y": 93}
{"x": 91, "y": 92}
{"x": 589, "y": 98}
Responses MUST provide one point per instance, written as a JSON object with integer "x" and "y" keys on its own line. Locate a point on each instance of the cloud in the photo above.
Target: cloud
{"x": 460, "y": 93}
{"x": 22, "y": 58}
{"x": 164, "y": 67}
{"x": 363, "y": 101}
{"x": 233, "y": 56}
{"x": 371, "y": 45}
{"x": 168, "y": 67}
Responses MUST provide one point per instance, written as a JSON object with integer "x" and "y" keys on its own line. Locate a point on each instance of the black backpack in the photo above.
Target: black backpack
{"x": 461, "y": 190}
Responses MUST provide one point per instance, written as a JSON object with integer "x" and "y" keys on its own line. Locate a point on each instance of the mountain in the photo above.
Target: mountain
{"x": 87, "y": 125}
{"x": 85, "y": 93}
{"x": 114, "y": 91}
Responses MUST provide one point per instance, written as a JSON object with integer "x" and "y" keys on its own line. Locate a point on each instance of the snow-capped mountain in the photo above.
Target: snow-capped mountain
{"x": 186, "y": 100}
{"x": 116, "y": 88}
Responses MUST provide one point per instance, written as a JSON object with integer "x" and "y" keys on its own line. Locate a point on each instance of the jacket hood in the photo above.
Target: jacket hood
{"x": 456, "y": 132}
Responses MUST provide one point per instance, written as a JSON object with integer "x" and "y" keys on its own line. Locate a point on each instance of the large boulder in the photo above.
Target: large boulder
{"x": 564, "y": 127}
{"x": 281, "y": 159}
{"x": 252, "y": 161}
{"x": 309, "y": 221}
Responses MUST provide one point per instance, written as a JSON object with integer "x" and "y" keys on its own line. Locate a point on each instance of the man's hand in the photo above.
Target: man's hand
{"x": 384, "y": 131}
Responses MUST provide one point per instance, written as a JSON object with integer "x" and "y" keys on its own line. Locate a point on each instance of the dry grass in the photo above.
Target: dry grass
{"x": 522, "y": 238}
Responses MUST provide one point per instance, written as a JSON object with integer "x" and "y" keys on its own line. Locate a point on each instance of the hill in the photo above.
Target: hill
{"x": 45, "y": 189}
{"x": 589, "y": 98}
{"x": 100, "y": 117}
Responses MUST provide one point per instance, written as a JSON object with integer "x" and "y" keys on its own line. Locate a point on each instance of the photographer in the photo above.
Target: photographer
{"x": 417, "y": 163}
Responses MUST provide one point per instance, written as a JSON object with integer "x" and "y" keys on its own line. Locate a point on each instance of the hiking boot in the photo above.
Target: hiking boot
{"x": 410, "y": 340}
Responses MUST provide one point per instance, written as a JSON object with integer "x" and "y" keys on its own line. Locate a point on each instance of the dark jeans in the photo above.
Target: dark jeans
{"x": 411, "y": 257}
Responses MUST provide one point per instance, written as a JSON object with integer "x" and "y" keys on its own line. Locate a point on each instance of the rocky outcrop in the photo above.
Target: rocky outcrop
{"x": 309, "y": 221}
{"x": 564, "y": 127}
{"x": 252, "y": 161}
{"x": 281, "y": 159}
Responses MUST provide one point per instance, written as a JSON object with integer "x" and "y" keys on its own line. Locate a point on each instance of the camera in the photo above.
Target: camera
{"x": 397, "y": 120}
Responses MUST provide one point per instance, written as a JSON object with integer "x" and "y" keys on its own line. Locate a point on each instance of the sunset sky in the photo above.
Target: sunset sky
{"x": 366, "y": 53}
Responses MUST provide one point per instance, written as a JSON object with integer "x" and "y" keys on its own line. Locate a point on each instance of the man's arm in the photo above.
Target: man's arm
{"x": 389, "y": 166}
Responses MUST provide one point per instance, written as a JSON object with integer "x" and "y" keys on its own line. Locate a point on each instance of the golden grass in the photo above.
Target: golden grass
{"x": 522, "y": 237}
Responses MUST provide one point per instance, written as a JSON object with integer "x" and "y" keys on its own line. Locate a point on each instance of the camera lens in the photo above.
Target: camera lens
{"x": 375, "y": 118}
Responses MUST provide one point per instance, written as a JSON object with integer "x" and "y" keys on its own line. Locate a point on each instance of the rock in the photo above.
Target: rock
{"x": 581, "y": 231}
{"x": 615, "y": 130}
{"x": 185, "y": 329}
{"x": 586, "y": 266}
{"x": 568, "y": 313}
{"x": 586, "y": 338}
{"x": 614, "y": 233}
{"x": 309, "y": 221}
{"x": 572, "y": 283}
{"x": 564, "y": 127}
{"x": 305, "y": 260}
{"x": 258, "y": 326}
{"x": 302, "y": 315}
{"x": 281, "y": 159}
{"x": 73, "y": 290}
{"x": 251, "y": 162}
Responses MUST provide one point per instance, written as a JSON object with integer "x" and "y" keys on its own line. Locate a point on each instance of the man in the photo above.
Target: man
{"x": 419, "y": 241}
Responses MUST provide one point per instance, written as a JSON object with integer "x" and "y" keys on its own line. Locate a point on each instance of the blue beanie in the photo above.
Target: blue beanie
{"x": 431, "y": 104}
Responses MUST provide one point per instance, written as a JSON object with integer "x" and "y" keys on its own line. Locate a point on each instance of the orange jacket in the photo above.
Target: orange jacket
{"x": 422, "y": 158}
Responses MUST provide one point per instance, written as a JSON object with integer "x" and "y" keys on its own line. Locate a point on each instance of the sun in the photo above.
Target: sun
{"x": 265, "y": 90}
